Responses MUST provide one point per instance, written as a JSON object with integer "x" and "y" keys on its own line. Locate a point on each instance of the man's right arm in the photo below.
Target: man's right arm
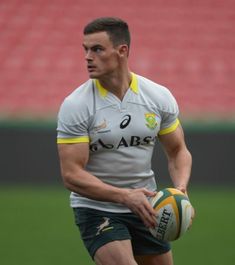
{"x": 73, "y": 159}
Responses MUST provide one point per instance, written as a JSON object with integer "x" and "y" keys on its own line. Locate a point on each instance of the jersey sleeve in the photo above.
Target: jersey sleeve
{"x": 72, "y": 124}
{"x": 170, "y": 112}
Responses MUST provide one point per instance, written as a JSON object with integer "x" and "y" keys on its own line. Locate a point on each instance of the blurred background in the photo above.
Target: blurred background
{"x": 185, "y": 45}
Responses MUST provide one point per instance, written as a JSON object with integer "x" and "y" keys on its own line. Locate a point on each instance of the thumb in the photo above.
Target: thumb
{"x": 149, "y": 193}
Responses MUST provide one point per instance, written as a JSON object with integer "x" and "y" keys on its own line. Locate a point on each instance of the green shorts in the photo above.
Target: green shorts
{"x": 98, "y": 228}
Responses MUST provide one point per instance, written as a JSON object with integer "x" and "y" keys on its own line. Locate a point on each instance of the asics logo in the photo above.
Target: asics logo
{"x": 125, "y": 122}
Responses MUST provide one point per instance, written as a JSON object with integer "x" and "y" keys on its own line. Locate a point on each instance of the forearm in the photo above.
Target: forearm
{"x": 180, "y": 165}
{"x": 80, "y": 181}
{"x": 135, "y": 199}
{"x": 73, "y": 160}
{"x": 87, "y": 185}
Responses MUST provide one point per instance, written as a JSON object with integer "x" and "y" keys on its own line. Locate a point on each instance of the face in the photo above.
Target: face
{"x": 102, "y": 57}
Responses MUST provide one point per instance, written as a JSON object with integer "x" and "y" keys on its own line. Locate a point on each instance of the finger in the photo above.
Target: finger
{"x": 148, "y": 217}
{"x": 192, "y": 213}
{"x": 150, "y": 209}
{"x": 192, "y": 217}
{"x": 148, "y": 192}
{"x": 147, "y": 222}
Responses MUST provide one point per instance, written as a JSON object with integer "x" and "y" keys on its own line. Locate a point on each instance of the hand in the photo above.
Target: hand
{"x": 136, "y": 200}
{"x": 192, "y": 217}
{"x": 183, "y": 189}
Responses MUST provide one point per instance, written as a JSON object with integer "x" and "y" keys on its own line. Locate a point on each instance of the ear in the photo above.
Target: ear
{"x": 123, "y": 50}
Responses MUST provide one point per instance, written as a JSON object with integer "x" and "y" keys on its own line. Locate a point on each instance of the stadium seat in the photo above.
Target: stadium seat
{"x": 186, "y": 46}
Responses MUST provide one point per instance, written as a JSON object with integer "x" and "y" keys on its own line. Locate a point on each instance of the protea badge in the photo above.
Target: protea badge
{"x": 151, "y": 120}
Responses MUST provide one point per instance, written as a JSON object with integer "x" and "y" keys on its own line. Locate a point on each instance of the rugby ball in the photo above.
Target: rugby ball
{"x": 173, "y": 214}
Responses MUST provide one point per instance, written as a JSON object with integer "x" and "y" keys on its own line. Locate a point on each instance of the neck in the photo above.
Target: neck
{"x": 117, "y": 83}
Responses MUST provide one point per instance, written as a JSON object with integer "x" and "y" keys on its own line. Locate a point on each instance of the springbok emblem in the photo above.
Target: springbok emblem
{"x": 103, "y": 225}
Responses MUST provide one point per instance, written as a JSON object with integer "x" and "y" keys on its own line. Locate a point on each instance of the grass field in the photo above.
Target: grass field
{"x": 37, "y": 229}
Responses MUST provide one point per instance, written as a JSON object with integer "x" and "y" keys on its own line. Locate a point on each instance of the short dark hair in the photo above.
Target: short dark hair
{"x": 116, "y": 28}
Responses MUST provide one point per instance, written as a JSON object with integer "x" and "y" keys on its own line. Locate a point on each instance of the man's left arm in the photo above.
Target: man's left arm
{"x": 179, "y": 158}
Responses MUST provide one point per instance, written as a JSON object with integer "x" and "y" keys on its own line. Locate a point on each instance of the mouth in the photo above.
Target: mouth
{"x": 91, "y": 68}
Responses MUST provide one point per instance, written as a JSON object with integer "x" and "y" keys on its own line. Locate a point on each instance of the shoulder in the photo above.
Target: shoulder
{"x": 157, "y": 95}
{"x": 79, "y": 95}
{"x": 78, "y": 103}
{"x": 153, "y": 89}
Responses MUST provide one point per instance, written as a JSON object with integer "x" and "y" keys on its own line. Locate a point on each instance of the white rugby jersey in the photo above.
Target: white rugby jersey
{"x": 121, "y": 134}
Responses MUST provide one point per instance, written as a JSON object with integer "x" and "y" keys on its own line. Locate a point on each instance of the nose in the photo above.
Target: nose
{"x": 88, "y": 55}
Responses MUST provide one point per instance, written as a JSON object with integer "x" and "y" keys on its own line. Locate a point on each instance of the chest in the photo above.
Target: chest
{"x": 119, "y": 126}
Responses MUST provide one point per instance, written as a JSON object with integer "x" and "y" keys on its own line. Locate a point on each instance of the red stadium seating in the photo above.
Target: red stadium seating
{"x": 187, "y": 46}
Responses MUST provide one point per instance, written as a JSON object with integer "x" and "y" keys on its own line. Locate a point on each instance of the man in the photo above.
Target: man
{"x": 106, "y": 133}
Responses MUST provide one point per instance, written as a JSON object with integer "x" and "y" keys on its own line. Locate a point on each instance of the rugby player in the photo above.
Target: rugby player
{"x": 107, "y": 129}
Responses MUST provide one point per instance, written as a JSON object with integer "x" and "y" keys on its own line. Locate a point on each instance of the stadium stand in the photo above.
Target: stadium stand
{"x": 187, "y": 46}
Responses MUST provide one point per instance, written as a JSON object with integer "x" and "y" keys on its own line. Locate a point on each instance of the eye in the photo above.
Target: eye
{"x": 97, "y": 49}
{"x": 85, "y": 48}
